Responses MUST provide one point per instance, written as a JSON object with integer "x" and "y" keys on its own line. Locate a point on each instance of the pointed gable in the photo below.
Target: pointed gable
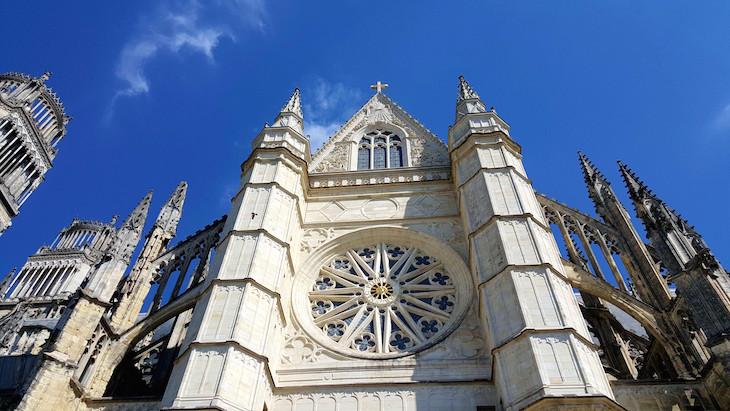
{"x": 424, "y": 149}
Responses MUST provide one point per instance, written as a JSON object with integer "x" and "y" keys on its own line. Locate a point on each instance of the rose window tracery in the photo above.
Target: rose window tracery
{"x": 383, "y": 300}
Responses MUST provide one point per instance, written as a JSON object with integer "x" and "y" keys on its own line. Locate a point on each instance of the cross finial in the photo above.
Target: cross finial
{"x": 378, "y": 86}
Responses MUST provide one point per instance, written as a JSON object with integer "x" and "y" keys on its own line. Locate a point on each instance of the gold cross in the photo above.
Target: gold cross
{"x": 379, "y": 86}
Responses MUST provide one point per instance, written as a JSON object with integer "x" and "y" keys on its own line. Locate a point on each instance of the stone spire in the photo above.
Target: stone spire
{"x": 294, "y": 105}
{"x": 672, "y": 237}
{"x": 637, "y": 189}
{"x": 131, "y": 291}
{"x": 465, "y": 91}
{"x": 467, "y": 101}
{"x": 287, "y": 131}
{"x": 692, "y": 267}
{"x": 171, "y": 212}
{"x": 291, "y": 114}
{"x": 130, "y": 232}
{"x": 599, "y": 188}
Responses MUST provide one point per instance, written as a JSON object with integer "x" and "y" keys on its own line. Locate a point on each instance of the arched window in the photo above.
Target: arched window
{"x": 363, "y": 155}
{"x": 380, "y": 149}
{"x": 396, "y": 152}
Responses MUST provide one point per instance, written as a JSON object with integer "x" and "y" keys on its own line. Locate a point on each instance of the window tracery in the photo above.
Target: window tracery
{"x": 383, "y": 299}
{"x": 380, "y": 149}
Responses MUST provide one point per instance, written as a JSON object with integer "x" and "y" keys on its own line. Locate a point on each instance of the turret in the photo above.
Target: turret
{"x": 509, "y": 245}
{"x": 251, "y": 264}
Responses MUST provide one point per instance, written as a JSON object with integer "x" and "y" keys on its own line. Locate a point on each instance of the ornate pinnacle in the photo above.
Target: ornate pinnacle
{"x": 637, "y": 189}
{"x": 46, "y": 75}
{"x": 599, "y": 189}
{"x": 130, "y": 232}
{"x": 170, "y": 214}
{"x": 590, "y": 172}
{"x": 294, "y": 105}
{"x": 139, "y": 214}
{"x": 465, "y": 91}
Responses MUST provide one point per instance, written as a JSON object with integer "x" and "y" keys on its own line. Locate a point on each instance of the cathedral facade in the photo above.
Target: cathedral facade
{"x": 386, "y": 271}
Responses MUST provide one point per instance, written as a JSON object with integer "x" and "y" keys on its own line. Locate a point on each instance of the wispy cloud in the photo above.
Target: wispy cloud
{"x": 181, "y": 25}
{"x": 326, "y": 107}
{"x": 722, "y": 121}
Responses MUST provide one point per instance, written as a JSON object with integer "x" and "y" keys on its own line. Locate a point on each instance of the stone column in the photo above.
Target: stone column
{"x": 542, "y": 349}
{"x": 238, "y": 323}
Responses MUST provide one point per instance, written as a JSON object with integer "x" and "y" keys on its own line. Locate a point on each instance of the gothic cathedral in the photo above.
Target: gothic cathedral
{"x": 386, "y": 271}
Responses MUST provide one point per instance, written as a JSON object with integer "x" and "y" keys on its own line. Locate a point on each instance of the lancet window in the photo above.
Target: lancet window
{"x": 380, "y": 149}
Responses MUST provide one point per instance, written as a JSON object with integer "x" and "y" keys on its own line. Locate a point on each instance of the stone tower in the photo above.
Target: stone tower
{"x": 32, "y": 123}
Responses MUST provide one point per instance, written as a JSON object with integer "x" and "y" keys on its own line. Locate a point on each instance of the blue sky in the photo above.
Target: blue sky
{"x": 176, "y": 90}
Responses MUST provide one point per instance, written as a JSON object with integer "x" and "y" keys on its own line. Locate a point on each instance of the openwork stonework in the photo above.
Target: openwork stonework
{"x": 385, "y": 299}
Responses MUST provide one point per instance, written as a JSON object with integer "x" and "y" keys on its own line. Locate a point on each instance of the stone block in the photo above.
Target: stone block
{"x": 565, "y": 365}
{"x": 517, "y": 241}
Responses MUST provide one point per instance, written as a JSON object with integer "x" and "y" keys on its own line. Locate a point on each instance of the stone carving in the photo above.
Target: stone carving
{"x": 468, "y": 341}
{"x": 425, "y": 154}
{"x": 314, "y": 237}
{"x": 378, "y": 112}
{"x": 379, "y": 109}
{"x": 400, "y": 175}
{"x": 449, "y": 231}
{"x": 299, "y": 349}
{"x": 337, "y": 160}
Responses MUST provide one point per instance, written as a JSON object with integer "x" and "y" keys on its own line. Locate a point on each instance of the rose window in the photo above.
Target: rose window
{"x": 383, "y": 300}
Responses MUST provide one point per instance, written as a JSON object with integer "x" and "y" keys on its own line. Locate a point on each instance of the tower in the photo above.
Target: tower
{"x": 32, "y": 123}
{"x": 237, "y": 326}
{"x": 515, "y": 262}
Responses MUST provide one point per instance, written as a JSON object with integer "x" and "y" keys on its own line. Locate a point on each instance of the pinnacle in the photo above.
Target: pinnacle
{"x": 465, "y": 91}
{"x": 637, "y": 189}
{"x": 294, "y": 105}
{"x": 170, "y": 213}
{"x": 590, "y": 172}
{"x": 139, "y": 214}
{"x": 178, "y": 196}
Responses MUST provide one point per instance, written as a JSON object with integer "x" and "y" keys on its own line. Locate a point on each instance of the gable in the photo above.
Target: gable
{"x": 424, "y": 149}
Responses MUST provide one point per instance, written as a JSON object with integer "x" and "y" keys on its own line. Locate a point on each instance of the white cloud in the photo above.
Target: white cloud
{"x": 326, "y": 107}
{"x": 722, "y": 121}
{"x": 181, "y": 25}
{"x": 319, "y": 133}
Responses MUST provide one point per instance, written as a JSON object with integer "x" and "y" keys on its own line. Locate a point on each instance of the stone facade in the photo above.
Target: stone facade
{"x": 387, "y": 271}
